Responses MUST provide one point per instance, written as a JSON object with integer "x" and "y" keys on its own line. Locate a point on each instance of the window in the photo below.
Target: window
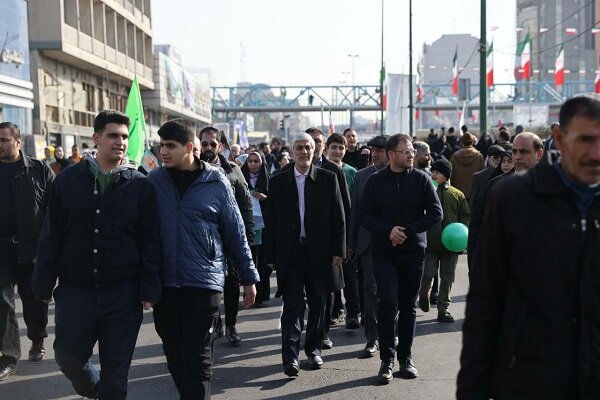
{"x": 111, "y": 29}
{"x": 85, "y": 17}
{"x": 71, "y": 13}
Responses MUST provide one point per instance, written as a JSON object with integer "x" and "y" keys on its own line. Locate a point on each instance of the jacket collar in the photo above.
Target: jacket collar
{"x": 224, "y": 163}
{"x": 545, "y": 179}
{"x": 26, "y": 160}
{"x": 289, "y": 169}
{"x": 389, "y": 173}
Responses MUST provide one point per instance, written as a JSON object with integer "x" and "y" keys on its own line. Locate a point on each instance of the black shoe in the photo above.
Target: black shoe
{"x": 7, "y": 370}
{"x": 433, "y": 298}
{"x": 260, "y": 304}
{"x": 352, "y": 323}
{"x": 386, "y": 372}
{"x": 407, "y": 369}
{"x": 445, "y": 316}
{"x": 371, "y": 348}
{"x": 37, "y": 350}
{"x": 424, "y": 302}
{"x": 291, "y": 369}
{"x": 232, "y": 336}
{"x": 218, "y": 329}
{"x": 327, "y": 343}
{"x": 315, "y": 362}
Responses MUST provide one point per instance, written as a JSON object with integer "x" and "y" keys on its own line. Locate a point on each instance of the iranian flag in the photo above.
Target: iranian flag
{"x": 490, "y": 65}
{"x": 597, "y": 83}
{"x": 420, "y": 93}
{"x": 526, "y": 58}
{"x": 559, "y": 68}
{"x": 455, "y": 73}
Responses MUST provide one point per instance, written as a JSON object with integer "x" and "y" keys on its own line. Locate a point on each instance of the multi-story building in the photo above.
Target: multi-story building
{"x": 178, "y": 92}
{"x": 16, "y": 89}
{"x": 84, "y": 57}
{"x": 438, "y": 57}
{"x": 555, "y": 23}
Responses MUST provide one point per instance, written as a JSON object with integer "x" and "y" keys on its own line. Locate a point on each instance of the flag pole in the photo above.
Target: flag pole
{"x": 483, "y": 89}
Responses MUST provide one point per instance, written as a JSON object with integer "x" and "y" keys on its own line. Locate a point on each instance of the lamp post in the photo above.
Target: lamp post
{"x": 353, "y": 57}
{"x": 381, "y": 74}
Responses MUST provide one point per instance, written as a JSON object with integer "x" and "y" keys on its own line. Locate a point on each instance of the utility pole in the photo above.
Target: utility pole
{"x": 410, "y": 73}
{"x": 382, "y": 74}
{"x": 483, "y": 92}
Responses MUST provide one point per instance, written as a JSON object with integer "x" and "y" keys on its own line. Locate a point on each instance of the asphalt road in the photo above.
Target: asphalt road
{"x": 254, "y": 371}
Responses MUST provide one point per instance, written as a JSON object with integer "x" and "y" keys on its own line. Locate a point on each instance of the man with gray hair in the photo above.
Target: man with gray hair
{"x": 305, "y": 241}
{"x": 423, "y": 157}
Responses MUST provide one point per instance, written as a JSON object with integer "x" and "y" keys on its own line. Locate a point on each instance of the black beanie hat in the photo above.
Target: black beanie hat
{"x": 443, "y": 166}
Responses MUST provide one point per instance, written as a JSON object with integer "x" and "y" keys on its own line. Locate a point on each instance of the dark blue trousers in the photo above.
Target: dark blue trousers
{"x": 397, "y": 288}
{"x": 110, "y": 316}
{"x": 299, "y": 282}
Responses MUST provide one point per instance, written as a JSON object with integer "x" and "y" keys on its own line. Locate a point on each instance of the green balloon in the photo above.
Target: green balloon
{"x": 454, "y": 237}
{"x": 435, "y": 184}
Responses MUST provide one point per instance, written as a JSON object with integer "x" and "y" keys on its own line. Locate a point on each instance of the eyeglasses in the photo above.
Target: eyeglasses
{"x": 409, "y": 152}
{"x": 211, "y": 144}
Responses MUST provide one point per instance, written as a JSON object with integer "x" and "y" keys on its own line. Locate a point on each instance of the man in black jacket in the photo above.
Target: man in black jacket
{"x": 210, "y": 149}
{"x": 101, "y": 240}
{"x": 398, "y": 206}
{"x": 532, "y": 326}
{"x": 306, "y": 242}
{"x": 24, "y": 188}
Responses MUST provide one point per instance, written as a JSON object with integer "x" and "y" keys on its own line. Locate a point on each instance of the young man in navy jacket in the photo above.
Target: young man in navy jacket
{"x": 398, "y": 206}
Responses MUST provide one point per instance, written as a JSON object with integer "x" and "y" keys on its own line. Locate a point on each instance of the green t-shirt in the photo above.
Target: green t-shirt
{"x": 350, "y": 174}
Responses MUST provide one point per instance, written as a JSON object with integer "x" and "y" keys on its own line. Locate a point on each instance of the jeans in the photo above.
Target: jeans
{"x": 299, "y": 280}
{"x": 109, "y": 315}
{"x": 446, "y": 263}
{"x": 397, "y": 289}
{"x": 184, "y": 320}
{"x": 35, "y": 312}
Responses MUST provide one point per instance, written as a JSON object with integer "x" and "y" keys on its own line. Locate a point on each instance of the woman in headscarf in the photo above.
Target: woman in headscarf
{"x": 257, "y": 177}
{"x": 61, "y": 162}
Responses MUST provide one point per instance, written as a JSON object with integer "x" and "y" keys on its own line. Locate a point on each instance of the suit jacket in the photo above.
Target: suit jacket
{"x": 324, "y": 224}
{"x": 359, "y": 237}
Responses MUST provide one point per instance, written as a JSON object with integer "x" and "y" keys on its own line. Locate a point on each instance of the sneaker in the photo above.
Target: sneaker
{"x": 371, "y": 348}
{"x": 37, "y": 350}
{"x": 424, "y": 302}
{"x": 407, "y": 369}
{"x": 232, "y": 336}
{"x": 445, "y": 316}
{"x": 386, "y": 372}
{"x": 327, "y": 343}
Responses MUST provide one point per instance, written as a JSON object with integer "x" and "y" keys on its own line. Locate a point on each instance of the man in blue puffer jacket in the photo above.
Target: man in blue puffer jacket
{"x": 200, "y": 222}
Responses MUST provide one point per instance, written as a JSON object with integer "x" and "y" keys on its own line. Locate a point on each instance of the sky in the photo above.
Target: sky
{"x": 307, "y": 42}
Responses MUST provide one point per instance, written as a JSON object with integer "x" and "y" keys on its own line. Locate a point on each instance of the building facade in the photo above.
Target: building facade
{"x": 84, "y": 57}
{"x": 438, "y": 57}
{"x": 178, "y": 92}
{"x": 16, "y": 89}
{"x": 555, "y": 23}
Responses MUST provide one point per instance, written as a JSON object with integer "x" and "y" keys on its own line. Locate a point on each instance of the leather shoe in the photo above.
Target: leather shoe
{"x": 424, "y": 302}
{"x": 327, "y": 343}
{"x": 315, "y": 362}
{"x": 352, "y": 322}
{"x": 386, "y": 372}
{"x": 7, "y": 371}
{"x": 445, "y": 316}
{"x": 37, "y": 350}
{"x": 407, "y": 369}
{"x": 232, "y": 336}
{"x": 291, "y": 369}
{"x": 371, "y": 348}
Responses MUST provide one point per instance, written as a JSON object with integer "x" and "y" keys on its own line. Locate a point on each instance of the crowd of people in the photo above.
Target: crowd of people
{"x": 353, "y": 233}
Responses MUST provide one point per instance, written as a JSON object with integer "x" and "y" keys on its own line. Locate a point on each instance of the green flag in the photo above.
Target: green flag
{"x": 135, "y": 112}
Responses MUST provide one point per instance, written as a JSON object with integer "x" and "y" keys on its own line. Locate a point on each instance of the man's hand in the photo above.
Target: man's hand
{"x": 365, "y": 151}
{"x": 249, "y": 295}
{"x": 336, "y": 261}
{"x": 260, "y": 196}
{"x": 147, "y": 305}
{"x": 397, "y": 236}
{"x": 349, "y": 254}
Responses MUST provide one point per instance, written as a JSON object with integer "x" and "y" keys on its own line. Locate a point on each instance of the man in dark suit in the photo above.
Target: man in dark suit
{"x": 305, "y": 242}
{"x": 359, "y": 244}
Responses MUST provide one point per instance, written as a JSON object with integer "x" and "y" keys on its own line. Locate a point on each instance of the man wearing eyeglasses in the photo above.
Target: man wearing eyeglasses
{"x": 306, "y": 242}
{"x": 398, "y": 206}
{"x": 210, "y": 151}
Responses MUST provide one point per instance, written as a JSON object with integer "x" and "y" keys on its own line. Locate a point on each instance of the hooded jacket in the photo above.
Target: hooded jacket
{"x": 455, "y": 209}
{"x": 198, "y": 229}
{"x": 465, "y": 163}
